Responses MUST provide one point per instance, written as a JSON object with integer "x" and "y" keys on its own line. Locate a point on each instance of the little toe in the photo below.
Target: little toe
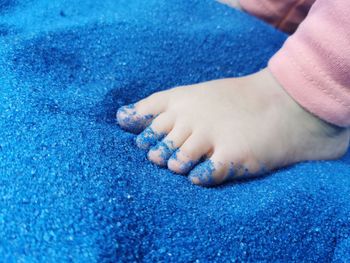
{"x": 184, "y": 159}
{"x": 158, "y": 129}
{"x": 211, "y": 172}
{"x": 160, "y": 153}
{"x": 136, "y": 117}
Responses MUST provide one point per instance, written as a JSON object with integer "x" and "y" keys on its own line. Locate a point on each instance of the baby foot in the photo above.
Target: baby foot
{"x": 230, "y": 128}
{"x": 232, "y": 3}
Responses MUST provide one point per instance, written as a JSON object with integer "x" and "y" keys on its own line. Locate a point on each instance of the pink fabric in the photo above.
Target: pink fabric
{"x": 313, "y": 66}
{"x": 286, "y": 15}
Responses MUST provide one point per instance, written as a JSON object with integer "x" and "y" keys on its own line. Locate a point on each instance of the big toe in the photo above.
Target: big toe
{"x": 136, "y": 117}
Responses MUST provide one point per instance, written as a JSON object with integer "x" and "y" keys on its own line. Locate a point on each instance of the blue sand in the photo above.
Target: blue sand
{"x": 132, "y": 121}
{"x": 73, "y": 186}
{"x": 184, "y": 166}
{"x": 203, "y": 172}
{"x": 166, "y": 150}
{"x": 148, "y": 138}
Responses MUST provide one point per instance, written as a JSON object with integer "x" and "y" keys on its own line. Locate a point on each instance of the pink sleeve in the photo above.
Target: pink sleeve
{"x": 285, "y": 15}
{"x": 313, "y": 66}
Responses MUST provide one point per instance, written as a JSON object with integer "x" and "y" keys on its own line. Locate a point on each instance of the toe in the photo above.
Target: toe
{"x": 223, "y": 167}
{"x": 158, "y": 129}
{"x": 131, "y": 120}
{"x": 211, "y": 172}
{"x": 160, "y": 153}
{"x": 136, "y": 117}
{"x": 149, "y": 137}
{"x": 183, "y": 160}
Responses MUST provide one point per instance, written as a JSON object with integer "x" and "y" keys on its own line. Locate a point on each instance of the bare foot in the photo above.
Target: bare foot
{"x": 230, "y": 128}
{"x": 232, "y": 3}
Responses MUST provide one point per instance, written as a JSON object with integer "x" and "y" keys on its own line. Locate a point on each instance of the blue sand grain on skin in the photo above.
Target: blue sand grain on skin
{"x": 204, "y": 173}
{"x": 235, "y": 169}
{"x": 133, "y": 121}
{"x": 165, "y": 149}
{"x": 148, "y": 138}
{"x": 232, "y": 171}
{"x": 73, "y": 185}
{"x": 262, "y": 170}
{"x": 184, "y": 166}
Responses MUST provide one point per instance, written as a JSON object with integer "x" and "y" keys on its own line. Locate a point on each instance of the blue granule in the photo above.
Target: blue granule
{"x": 166, "y": 149}
{"x": 184, "y": 167}
{"x": 75, "y": 188}
{"x": 4, "y": 30}
{"x": 239, "y": 171}
{"x": 133, "y": 121}
{"x": 7, "y": 4}
{"x": 148, "y": 138}
{"x": 233, "y": 170}
{"x": 204, "y": 173}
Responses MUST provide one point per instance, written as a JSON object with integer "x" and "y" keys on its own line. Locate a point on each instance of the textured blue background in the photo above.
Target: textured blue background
{"x": 73, "y": 186}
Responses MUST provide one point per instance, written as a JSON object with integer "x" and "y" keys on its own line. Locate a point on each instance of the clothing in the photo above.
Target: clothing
{"x": 285, "y": 15}
{"x": 313, "y": 65}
